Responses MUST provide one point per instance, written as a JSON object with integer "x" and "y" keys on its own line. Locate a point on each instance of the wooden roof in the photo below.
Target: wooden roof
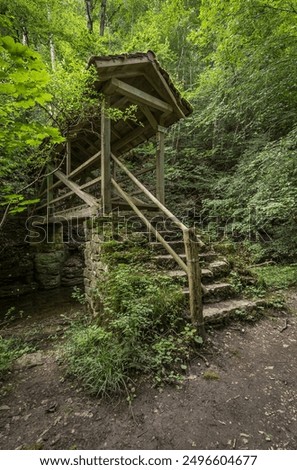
{"x": 129, "y": 79}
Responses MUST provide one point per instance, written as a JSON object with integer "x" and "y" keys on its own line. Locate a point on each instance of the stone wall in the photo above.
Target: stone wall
{"x": 16, "y": 259}
{"x": 46, "y": 265}
{"x": 94, "y": 267}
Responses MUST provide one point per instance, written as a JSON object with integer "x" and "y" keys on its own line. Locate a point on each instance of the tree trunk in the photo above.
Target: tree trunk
{"x": 52, "y": 52}
{"x": 102, "y": 17}
{"x": 89, "y": 14}
{"x": 25, "y": 36}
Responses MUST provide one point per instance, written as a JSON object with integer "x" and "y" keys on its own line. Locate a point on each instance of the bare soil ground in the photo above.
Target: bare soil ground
{"x": 251, "y": 405}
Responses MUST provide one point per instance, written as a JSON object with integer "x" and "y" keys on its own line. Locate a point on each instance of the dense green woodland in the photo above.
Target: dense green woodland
{"x": 233, "y": 160}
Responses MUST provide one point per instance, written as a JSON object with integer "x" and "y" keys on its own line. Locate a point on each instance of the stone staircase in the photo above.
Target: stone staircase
{"x": 220, "y": 302}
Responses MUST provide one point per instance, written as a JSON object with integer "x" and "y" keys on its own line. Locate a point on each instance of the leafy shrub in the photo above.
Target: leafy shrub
{"x": 140, "y": 332}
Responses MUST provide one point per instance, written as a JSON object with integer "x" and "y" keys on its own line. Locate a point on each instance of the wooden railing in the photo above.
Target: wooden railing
{"x": 66, "y": 180}
{"x": 191, "y": 241}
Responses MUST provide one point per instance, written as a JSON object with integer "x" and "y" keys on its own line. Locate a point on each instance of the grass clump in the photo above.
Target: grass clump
{"x": 10, "y": 349}
{"x": 277, "y": 276}
{"x": 211, "y": 375}
{"x": 141, "y": 332}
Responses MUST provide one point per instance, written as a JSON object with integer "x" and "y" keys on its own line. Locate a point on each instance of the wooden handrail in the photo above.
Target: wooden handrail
{"x": 140, "y": 172}
{"x": 159, "y": 237}
{"x": 192, "y": 268}
{"x": 162, "y": 208}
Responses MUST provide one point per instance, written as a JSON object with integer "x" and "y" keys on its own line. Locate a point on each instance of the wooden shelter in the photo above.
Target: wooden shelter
{"x": 86, "y": 166}
{"x": 123, "y": 80}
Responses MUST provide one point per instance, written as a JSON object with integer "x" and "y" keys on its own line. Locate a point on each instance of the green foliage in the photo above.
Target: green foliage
{"x": 96, "y": 357}
{"x": 23, "y": 78}
{"x": 258, "y": 200}
{"x": 140, "y": 332}
{"x": 10, "y": 350}
{"x": 127, "y": 251}
{"x": 277, "y": 277}
{"x": 78, "y": 295}
{"x": 232, "y": 162}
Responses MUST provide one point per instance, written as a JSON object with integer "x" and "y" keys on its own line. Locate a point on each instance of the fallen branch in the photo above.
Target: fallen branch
{"x": 265, "y": 263}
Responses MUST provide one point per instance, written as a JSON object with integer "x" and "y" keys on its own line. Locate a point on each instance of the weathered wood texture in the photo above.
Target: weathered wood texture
{"x": 150, "y": 227}
{"x": 136, "y": 95}
{"x": 160, "y": 183}
{"x": 194, "y": 279}
{"x": 105, "y": 158}
{"x": 145, "y": 191}
{"x": 87, "y": 198}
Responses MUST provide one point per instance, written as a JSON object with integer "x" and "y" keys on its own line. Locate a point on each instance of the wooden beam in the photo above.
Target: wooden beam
{"x": 129, "y": 137}
{"x": 139, "y": 173}
{"x": 68, "y": 157}
{"x": 135, "y": 94}
{"x": 85, "y": 165}
{"x": 160, "y": 185}
{"x": 70, "y": 193}
{"x": 167, "y": 89}
{"x": 159, "y": 237}
{"x": 119, "y": 103}
{"x": 49, "y": 184}
{"x": 105, "y": 158}
{"x": 150, "y": 195}
{"x": 150, "y": 117}
{"x": 79, "y": 212}
{"x": 102, "y": 64}
{"x": 77, "y": 170}
{"x": 87, "y": 198}
{"x": 194, "y": 278}
{"x": 122, "y": 73}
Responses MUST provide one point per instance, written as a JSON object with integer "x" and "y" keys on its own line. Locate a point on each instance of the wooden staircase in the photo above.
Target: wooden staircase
{"x": 220, "y": 301}
{"x": 177, "y": 250}
{"x": 89, "y": 179}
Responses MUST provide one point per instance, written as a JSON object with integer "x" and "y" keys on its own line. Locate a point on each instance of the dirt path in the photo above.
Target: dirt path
{"x": 252, "y": 405}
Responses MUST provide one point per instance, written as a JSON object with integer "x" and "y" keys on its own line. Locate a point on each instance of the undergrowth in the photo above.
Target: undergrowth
{"x": 253, "y": 280}
{"x": 10, "y": 349}
{"x": 141, "y": 331}
{"x": 277, "y": 276}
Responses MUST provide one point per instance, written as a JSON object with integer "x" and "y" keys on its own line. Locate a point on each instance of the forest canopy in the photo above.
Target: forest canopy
{"x": 233, "y": 161}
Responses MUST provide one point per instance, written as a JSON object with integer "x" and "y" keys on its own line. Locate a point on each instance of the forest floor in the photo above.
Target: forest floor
{"x": 252, "y": 403}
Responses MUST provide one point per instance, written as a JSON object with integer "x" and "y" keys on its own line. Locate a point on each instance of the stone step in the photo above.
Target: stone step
{"x": 179, "y": 247}
{"x": 213, "y": 270}
{"x": 168, "y": 235}
{"x": 181, "y": 276}
{"x": 228, "y": 309}
{"x": 215, "y": 292}
{"x": 167, "y": 261}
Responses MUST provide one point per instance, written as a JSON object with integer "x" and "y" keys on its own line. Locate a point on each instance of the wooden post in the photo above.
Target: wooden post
{"x": 49, "y": 181}
{"x": 194, "y": 277}
{"x": 68, "y": 158}
{"x": 105, "y": 158}
{"x": 160, "y": 164}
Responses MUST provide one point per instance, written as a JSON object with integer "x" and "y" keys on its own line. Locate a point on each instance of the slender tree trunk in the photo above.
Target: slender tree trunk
{"x": 25, "y": 36}
{"x": 102, "y": 17}
{"x": 89, "y": 14}
{"x": 52, "y": 52}
{"x": 51, "y": 43}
